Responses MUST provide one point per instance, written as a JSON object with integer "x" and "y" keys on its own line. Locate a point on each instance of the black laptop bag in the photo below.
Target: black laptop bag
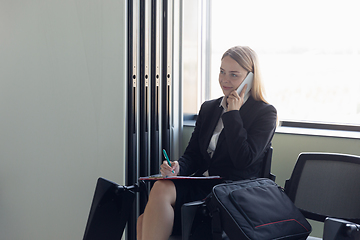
{"x": 255, "y": 209}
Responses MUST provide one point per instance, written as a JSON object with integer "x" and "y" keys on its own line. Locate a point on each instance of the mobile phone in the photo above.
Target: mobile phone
{"x": 249, "y": 81}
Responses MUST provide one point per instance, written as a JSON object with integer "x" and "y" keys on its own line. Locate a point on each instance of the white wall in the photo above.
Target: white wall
{"x": 62, "y": 108}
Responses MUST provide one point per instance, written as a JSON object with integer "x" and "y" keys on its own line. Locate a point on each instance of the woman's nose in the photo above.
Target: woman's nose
{"x": 223, "y": 79}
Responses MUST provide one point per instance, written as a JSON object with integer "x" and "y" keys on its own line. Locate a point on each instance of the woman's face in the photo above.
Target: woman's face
{"x": 231, "y": 75}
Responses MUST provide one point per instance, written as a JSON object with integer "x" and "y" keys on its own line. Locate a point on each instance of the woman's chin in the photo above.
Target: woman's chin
{"x": 226, "y": 93}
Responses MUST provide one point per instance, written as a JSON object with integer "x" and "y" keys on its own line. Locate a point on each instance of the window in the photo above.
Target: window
{"x": 196, "y": 54}
{"x": 191, "y": 50}
{"x": 309, "y": 54}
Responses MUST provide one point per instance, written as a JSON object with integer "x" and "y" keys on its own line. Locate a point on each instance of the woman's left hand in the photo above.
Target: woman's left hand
{"x": 234, "y": 100}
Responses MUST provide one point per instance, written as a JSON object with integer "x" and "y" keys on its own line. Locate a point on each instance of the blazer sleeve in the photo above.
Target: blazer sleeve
{"x": 248, "y": 136}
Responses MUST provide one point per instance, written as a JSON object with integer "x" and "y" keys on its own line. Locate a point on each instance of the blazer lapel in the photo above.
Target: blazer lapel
{"x": 244, "y": 110}
{"x": 214, "y": 119}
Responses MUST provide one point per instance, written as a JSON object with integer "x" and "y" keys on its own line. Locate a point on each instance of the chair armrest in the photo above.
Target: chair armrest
{"x": 188, "y": 212}
{"x": 338, "y": 229}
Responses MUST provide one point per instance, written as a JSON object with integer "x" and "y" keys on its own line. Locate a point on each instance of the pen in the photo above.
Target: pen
{"x": 167, "y": 159}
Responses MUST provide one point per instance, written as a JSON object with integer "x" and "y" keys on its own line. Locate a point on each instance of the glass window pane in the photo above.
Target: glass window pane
{"x": 191, "y": 65}
{"x": 309, "y": 54}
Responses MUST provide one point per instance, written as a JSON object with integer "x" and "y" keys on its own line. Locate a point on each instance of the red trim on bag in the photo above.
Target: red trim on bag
{"x": 288, "y": 220}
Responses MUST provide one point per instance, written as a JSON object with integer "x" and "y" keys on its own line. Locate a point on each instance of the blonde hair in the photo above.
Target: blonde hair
{"x": 247, "y": 58}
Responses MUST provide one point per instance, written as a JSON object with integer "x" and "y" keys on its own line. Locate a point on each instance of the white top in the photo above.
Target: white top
{"x": 219, "y": 127}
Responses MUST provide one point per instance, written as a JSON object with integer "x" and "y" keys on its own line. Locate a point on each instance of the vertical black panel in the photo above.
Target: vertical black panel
{"x": 166, "y": 74}
{"x": 132, "y": 95}
{"x": 149, "y": 85}
{"x": 155, "y": 85}
{"x": 132, "y": 174}
{"x": 144, "y": 159}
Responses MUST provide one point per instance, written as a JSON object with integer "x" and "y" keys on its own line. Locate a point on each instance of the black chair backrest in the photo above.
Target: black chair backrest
{"x": 266, "y": 170}
{"x": 326, "y": 185}
{"x": 110, "y": 211}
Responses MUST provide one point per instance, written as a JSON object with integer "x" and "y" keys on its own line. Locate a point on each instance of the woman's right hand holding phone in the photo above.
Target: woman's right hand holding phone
{"x": 234, "y": 100}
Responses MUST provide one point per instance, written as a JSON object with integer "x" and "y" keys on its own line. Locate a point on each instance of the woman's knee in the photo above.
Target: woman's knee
{"x": 163, "y": 189}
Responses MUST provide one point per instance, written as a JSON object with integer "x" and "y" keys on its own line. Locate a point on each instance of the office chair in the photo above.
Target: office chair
{"x": 198, "y": 208}
{"x": 326, "y": 185}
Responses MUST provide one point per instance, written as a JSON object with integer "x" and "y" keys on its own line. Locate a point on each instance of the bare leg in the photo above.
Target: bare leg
{"x": 139, "y": 227}
{"x": 156, "y": 222}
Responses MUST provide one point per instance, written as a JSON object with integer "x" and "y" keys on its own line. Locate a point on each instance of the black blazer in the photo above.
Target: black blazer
{"x": 241, "y": 145}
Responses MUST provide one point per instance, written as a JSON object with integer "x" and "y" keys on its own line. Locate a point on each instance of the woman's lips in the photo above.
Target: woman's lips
{"x": 227, "y": 88}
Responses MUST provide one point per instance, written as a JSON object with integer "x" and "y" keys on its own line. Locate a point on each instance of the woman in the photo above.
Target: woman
{"x": 230, "y": 138}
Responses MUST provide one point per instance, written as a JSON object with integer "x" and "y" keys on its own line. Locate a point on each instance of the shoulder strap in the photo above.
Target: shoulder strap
{"x": 216, "y": 228}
